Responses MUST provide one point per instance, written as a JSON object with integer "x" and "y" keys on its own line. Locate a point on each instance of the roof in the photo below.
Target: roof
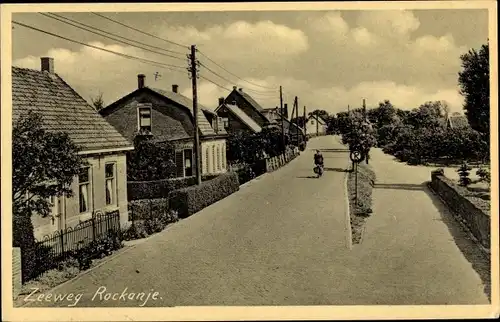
{"x": 244, "y": 117}
{"x": 63, "y": 110}
{"x": 203, "y": 123}
{"x": 458, "y": 121}
{"x": 252, "y": 102}
{"x": 221, "y": 130}
{"x": 317, "y": 118}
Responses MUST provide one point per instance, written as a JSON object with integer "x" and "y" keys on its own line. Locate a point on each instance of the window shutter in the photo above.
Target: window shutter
{"x": 179, "y": 163}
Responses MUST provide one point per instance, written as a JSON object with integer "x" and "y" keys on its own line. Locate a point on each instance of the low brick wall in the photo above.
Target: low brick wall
{"x": 16, "y": 271}
{"x": 468, "y": 210}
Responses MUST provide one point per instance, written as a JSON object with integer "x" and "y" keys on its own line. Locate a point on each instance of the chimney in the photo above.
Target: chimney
{"x": 221, "y": 101}
{"x": 234, "y": 87}
{"x": 47, "y": 64}
{"x": 175, "y": 88}
{"x": 141, "y": 80}
{"x": 241, "y": 89}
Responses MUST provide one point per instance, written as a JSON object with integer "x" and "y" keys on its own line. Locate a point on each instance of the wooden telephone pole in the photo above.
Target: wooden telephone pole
{"x": 304, "y": 122}
{"x": 194, "y": 77}
{"x": 282, "y": 119}
{"x": 296, "y": 104}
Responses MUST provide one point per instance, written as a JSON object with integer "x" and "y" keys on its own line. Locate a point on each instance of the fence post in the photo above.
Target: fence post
{"x": 93, "y": 228}
{"x": 62, "y": 243}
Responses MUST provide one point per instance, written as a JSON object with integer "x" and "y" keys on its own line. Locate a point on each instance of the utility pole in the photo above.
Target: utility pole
{"x": 194, "y": 77}
{"x": 282, "y": 119}
{"x": 364, "y": 108}
{"x": 297, "y": 118}
{"x": 304, "y": 122}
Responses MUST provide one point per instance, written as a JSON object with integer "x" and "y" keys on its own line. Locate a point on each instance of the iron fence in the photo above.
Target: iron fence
{"x": 55, "y": 247}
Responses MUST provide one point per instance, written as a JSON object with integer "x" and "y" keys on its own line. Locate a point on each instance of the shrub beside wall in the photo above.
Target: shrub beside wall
{"x": 473, "y": 212}
{"x": 189, "y": 200}
{"x": 137, "y": 190}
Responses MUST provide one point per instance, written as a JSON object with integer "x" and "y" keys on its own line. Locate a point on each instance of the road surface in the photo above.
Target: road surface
{"x": 282, "y": 240}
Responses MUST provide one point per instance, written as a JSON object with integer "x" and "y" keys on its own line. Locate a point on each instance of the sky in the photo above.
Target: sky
{"x": 328, "y": 59}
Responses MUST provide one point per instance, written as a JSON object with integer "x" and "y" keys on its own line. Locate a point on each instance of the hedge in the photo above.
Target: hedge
{"x": 187, "y": 201}
{"x": 137, "y": 190}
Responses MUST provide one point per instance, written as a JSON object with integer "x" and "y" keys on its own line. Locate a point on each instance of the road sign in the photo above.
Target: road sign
{"x": 356, "y": 156}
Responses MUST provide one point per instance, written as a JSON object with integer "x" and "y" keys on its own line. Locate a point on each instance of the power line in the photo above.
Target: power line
{"x": 146, "y": 61}
{"x": 215, "y": 83}
{"x": 53, "y": 16}
{"x": 229, "y": 81}
{"x": 227, "y": 71}
{"x": 138, "y": 30}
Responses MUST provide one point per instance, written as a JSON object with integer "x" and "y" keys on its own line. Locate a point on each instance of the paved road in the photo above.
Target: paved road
{"x": 281, "y": 240}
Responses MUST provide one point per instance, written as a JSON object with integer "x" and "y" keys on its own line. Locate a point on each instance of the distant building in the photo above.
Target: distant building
{"x": 234, "y": 119}
{"x": 316, "y": 125}
{"x": 168, "y": 116}
{"x": 102, "y": 185}
{"x": 457, "y": 122}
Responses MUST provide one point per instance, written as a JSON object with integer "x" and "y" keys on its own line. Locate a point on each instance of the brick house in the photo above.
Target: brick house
{"x": 234, "y": 119}
{"x": 246, "y": 104}
{"x": 102, "y": 185}
{"x": 168, "y": 116}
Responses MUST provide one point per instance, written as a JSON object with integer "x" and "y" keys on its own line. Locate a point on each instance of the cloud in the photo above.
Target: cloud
{"x": 243, "y": 42}
{"x": 389, "y": 23}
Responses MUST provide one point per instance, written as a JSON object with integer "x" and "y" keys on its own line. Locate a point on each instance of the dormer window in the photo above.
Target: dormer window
{"x": 144, "y": 117}
{"x": 225, "y": 122}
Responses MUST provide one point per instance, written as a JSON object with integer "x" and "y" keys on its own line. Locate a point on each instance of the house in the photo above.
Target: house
{"x": 274, "y": 115}
{"x": 102, "y": 184}
{"x": 168, "y": 116}
{"x": 316, "y": 125}
{"x": 294, "y": 131}
{"x": 234, "y": 119}
{"x": 248, "y": 105}
{"x": 457, "y": 121}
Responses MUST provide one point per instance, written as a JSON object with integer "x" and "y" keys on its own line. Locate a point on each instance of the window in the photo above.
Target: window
{"x": 214, "y": 164}
{"x": 224, "y": 165}
{"x": 110, "y": 183}
{"x": 188, "y": 162}
{"x": 225, "y": 121}
{"x": 144, "y": 118}
{"x": 84, "y": 189}
{"x": 218, "y": 158}
{"x": 207, "y": 159}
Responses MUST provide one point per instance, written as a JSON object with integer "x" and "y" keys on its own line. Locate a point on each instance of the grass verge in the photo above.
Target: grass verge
{"x": 362, "y": 209}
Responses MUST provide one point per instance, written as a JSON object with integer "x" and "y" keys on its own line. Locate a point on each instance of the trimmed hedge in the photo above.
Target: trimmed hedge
{"x": 156, "y": 189}
{"x": 187, "y": 201}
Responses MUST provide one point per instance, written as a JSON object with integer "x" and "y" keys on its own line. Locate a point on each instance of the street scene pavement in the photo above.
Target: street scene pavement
{"x": 282, "y": 239}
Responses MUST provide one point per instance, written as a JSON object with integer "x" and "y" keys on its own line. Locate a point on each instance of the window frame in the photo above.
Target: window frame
{"x": 142, "y": 107}
{"x": 88, "y": 185}
{"x": 113, "y": 178}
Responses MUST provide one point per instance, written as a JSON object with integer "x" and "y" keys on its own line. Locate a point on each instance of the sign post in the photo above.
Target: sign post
{"x": 356, "y": 157}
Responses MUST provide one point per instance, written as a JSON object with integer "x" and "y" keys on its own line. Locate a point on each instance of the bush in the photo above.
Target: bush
{"x": 187, "y": 201}
{"x": 484, "y": 175}
{"x": 160, "y": 188}
{"x": 135, "y": 231}
{"x": 463, "y": 172}
{"x": 23, "y": 237}
{"x": 245, "y": 174}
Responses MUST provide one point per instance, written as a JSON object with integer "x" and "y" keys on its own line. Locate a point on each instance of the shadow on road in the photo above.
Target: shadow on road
{"x": 334, "y": 150}
{"x": 400, "y": 186}
{"x": 335, "y": 169}
{"x": 308, "y": 177}
{"x": 480, "y": 263}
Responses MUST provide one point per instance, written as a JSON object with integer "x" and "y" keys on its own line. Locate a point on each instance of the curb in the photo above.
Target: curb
{"x": 459, "y": 219}
{"x": 348, "y": 210}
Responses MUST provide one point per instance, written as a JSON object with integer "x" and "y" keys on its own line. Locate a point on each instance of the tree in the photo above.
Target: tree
{"x": 151, "y": 159}
{"x": 43, "y": 165}
{"x": 321, "y": 113}
{"x": 474, "y": 81}
{"x": 98, "y": 102}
